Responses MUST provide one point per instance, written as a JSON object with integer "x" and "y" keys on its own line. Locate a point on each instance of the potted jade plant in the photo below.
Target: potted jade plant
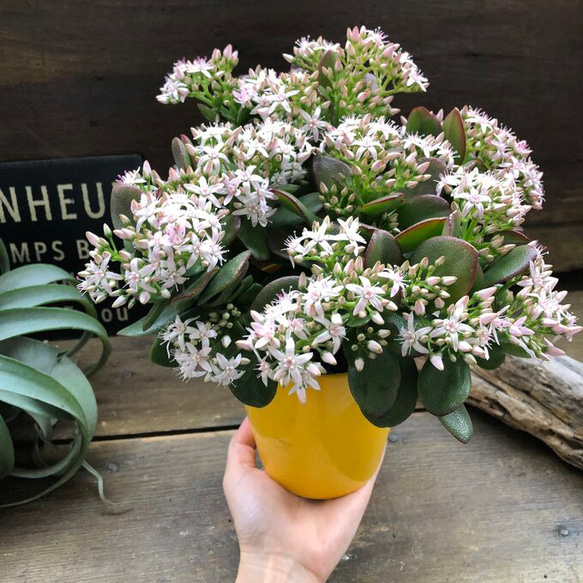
{"x": 328, "y": 264}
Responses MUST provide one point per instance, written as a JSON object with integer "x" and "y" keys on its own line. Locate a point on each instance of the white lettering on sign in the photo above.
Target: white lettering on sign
{"x": 11, "y": 207}
{"x": 65, "y": 202}
{"x": 100, "y": 201}
{"x": 44, "y": 202}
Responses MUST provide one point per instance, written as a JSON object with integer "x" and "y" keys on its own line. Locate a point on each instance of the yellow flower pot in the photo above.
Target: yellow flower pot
{"x": 324, "y": 448}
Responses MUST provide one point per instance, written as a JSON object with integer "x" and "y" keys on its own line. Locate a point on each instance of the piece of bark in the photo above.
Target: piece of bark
{"x": 543, "y": 398}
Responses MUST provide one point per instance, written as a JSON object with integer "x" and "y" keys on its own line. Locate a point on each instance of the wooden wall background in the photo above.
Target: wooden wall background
{"x": 79, "y": 77}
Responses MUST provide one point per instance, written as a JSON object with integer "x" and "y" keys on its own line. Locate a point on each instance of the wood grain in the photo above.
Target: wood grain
{"x": 543, "y": 398}
{"x": 502, "y": 508}
{"x": 80, "y": 78}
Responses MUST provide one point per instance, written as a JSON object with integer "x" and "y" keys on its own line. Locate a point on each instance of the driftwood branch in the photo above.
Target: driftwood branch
{"x": 543, "y": 398}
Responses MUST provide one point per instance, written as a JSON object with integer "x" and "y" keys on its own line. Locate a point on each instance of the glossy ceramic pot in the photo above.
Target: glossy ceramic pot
{"x": 324, "y": 448}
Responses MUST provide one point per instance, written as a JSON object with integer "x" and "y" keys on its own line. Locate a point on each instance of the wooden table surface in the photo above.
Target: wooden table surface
{"x": 501, "y": 509}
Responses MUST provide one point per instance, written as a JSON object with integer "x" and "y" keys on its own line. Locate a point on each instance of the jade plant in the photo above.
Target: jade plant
{"x": 38, "y": 381}
{"x": 302, "y": 231}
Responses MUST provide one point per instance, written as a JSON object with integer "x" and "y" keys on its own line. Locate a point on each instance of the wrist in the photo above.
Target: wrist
{"x": 255, "y": 568}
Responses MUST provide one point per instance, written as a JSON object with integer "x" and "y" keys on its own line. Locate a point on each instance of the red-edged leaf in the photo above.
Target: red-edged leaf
{"x": 329, "y": 170}
{"x": 509, "y": 266}
{"x": 422, "y": 121}
{"x": 455, "y": 133}
{"x": 382, "y": 205}
{"x": 384, "y": 248}
{"x": 411, "y": 238}
{"x": 293, "y": 204}
{"x": 461, "y": 260}
{"x": 419, "y": 208}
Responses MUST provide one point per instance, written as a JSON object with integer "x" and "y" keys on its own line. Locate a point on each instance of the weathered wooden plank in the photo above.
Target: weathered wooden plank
{"x": 135, "y": 396}
{"x": 80, "y": 78}
{"x": 502, "y": 508}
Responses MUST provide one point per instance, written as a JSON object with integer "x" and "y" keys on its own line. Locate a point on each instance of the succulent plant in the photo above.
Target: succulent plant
{"x": 39, "y": 381}
{"x": 311, "y": 234}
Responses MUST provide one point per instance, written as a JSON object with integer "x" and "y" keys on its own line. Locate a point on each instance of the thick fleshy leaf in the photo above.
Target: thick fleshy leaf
{"x": 250, "y": 389}
{"x": 514, "y": 350}
{"x": 243, "y": 286}
{"x": 207, "y": 112}
{"x": 455, "y": 133}
{"x": 459, "y": 424}
{"x": 122, "y": 196}
{"x": 273, "y": 289}
{"x": 294, "y": 205}
{"x": 443, "y": 391}
{"x": 497, "y": 357}
{"x": 452, "y": 226}
{"x": 406, "y": 400}
{"x": 24, "y": 321}
{"x": 382, "y": 205}
{"x": 514, "y": 263}
{"x": 233, "y": 270}
{"x": 6, "y": 450}
{"x": 514, "y": 237}
{"x": 328, "y": 170}
{"x": 31, "y": 275}
{"x": 420, "y": 208}
{"x": 247, "y": 297}
{"x": 429, "y": 186}
{"x": 231, "y": 225}
{"x": 159, "y": 354}
{"x": 326, "y": 63}
{"x": 180, "y": 154}
{"x": 384, "y": 248}
{"x": 255, "y": 239}
{"x": 422, "y": 121}
{"x": 412, "y": 237}
{"x": 283, "y": 217}
{"x": 461, "y": 260}
{"x": 374, "y": 388}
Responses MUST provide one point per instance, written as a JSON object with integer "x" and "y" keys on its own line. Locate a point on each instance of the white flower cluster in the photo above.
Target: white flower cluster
{"x": 170, "y": 235}
{"x": 383, "y": 158}
{"x": 198, "y": 348}
{"x": 537, "y": 311}
{"x": 200, "y": 77}
{"x": 301, "y": 325}
{"x": 489, "y": 204}
{"x": 499, "y": 150}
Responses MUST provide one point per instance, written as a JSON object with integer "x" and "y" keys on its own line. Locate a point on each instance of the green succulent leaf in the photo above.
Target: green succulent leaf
{"x": 420, "y": 208}
{"x": 248, "y": 296}
{"x": 375, "y": 388}
{"x": 514, "y": 237}
{"x": 514, "y": 350}
{"x": 208, "y": 112}
{"x": 455, "y": 133}
{"x": 233, "y": 270}
{"x": 382, "y": 247}
{"x": 122, "y": 196}
{"x": 497, "y": 357}
{"x": 452, "y": 226}
{"x": 459, "y": 424}
{"x": 413, "y": 236}
{"x": 514, "y": 263}
{"x": 328, "y": 170}
{"x": 436, "y": 169}
{"x": 180, "y": 154}
{"x": 461, "y": 260}
{"x": 273, "y": 289}
{"x": 159, "y": 354}
{"x": 421, "y": 121}
{"x": 255, "y": 239}
{"x": 284, "y": 217}
{"x": 444, "y": 391}
{"x": 326, "y": 62}
{"x": 382, "y": 205}
{"x": 250, "y": 389}
{"x": 296, "y": 206}
{"x": 231, "y": 225}
{"x": 404, "y": 404}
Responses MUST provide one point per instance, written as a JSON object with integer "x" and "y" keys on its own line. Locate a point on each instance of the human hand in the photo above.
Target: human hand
{"x": 283, "y": 537}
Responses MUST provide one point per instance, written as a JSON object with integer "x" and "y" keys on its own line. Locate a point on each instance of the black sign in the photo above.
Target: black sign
{"x": 47, "y": 206}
